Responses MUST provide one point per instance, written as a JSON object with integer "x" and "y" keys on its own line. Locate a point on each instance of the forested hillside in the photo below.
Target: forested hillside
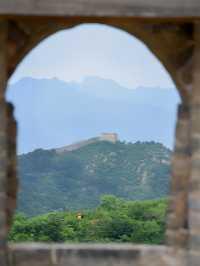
{"x": 76, "y": 180}
{"x": 114, "y": 220}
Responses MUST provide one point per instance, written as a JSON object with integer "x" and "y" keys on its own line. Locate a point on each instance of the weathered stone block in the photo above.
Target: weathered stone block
{"x": 178, "y": 210}
{"x": 180, "y": 178}
{"x": 100, "y": 255}
{"x": 30, "y": 254}
{"x": 194, "y": 240}
{"x": 3, "y": 257}
{"x": 194, "y": 220}
{"x": 194, "y": 201}
{"x": 193, "y": 258}
{"x": 177, "y": 238}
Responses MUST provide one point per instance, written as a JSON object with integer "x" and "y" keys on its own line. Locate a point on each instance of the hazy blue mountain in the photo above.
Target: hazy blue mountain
{"x": 55, "y": 113}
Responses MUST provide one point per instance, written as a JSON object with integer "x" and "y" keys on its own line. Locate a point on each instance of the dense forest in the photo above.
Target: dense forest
{"x": 69, "y": 181}
{"x": 114, "y": 220}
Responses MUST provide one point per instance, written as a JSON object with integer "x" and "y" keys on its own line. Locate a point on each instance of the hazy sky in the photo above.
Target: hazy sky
{"x": 97, "y": 50}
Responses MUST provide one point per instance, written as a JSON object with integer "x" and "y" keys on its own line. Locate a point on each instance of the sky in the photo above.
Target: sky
{"x": 94, "y": 50}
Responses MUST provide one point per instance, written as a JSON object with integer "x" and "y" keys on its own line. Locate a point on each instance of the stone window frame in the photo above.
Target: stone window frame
{"x": 17, "y": 37}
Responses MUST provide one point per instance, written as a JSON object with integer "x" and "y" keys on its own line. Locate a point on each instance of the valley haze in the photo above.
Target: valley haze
{"x": 54, "y": 113}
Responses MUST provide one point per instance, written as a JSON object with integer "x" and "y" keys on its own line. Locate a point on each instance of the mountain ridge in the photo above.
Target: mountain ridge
{"x": 77, "y": 179}
{"x": 60, "y": 113}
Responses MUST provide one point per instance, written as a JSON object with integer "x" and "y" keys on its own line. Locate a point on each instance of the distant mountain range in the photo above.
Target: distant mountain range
{"x": 75, "y": 180}
{"x": 55, "y": 113}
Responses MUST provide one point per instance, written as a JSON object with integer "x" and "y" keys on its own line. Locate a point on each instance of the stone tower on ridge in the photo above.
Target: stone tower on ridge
{"x": 112, "y": 137}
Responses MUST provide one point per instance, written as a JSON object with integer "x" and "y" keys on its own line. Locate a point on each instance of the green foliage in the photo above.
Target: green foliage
{"x": 114, "y": 220}
{"x": 76, "y": 180}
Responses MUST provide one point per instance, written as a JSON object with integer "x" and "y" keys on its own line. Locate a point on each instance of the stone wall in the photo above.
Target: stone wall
{"x": 111, "y": 137}
{"x": 76, "y": 145}
{"x": 98, "y": 255}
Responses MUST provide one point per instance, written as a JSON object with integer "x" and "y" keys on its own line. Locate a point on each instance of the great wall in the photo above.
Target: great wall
{"x": 110, "y": 137}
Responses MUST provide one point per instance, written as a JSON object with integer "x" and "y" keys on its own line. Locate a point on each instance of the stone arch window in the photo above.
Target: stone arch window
{"x": 62, "y": 37}
{"x": 17, "y": 38}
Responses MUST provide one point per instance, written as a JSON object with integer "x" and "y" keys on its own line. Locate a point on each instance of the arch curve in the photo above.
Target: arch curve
{"x": 171, "y": 43}
{"x": 167, "y": 41}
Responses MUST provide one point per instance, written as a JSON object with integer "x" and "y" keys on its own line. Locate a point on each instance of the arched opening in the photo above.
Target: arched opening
{"x": 124, "y": 102}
